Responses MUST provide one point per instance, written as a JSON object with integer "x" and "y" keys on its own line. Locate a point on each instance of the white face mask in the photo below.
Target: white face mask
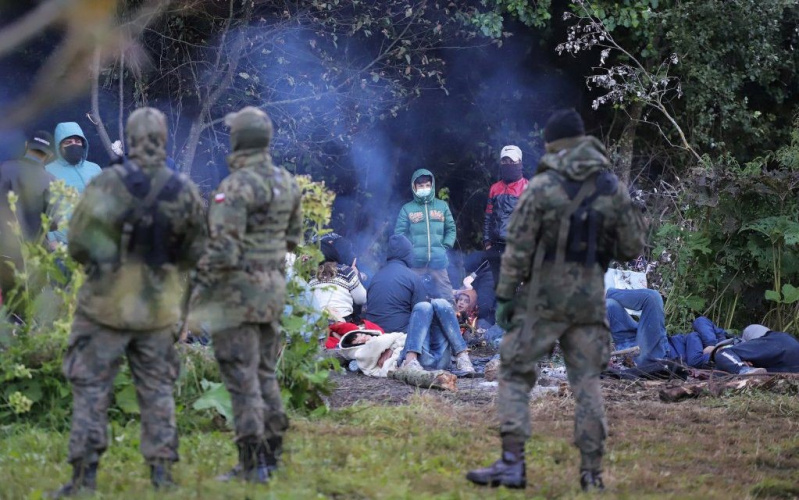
{"x": 423, "y": 192}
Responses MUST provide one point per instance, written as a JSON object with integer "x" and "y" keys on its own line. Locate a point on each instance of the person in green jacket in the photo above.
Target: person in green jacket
{"x": 428, "y": 223}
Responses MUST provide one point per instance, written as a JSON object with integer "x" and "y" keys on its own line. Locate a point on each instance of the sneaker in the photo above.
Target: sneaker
{"x": 412, "y": 364}
{"x": 752, "y": 371}
{"x": 463, "y": 363}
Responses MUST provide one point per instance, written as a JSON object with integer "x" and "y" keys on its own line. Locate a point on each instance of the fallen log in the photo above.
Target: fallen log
{"x": 631, "y": 350}
{"x": 438, "y": 379}
{"x": 782, "y": 383}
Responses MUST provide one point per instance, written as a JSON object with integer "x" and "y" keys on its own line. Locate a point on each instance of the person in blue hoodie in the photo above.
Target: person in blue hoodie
{"x": 396, "y": 301}
{"x": 70, "y": 163}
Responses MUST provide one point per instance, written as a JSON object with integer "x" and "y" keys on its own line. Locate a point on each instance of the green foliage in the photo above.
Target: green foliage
{"x": 491, "y": 22}
{"x": 736, "y": 59}
{"x": 35, "y": 390}
{"x": 734, "y": 243}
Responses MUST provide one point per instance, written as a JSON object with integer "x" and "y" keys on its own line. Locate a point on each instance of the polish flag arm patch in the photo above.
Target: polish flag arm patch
{"x": 219, "y": 198}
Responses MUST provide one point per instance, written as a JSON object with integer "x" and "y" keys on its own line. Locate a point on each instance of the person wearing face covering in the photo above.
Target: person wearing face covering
{"x": 427, "y": 221}
{"x": 502, "y": 199}
{"x": 70, "y": 163}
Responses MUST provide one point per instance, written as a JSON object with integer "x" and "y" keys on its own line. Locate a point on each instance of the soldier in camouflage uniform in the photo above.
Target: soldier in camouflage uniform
{"x": 570, "y": 221}
{"x": 254, "y": 218}
{"x": 138, "y": 229}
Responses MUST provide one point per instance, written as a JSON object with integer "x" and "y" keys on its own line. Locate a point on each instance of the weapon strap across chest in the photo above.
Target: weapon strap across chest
{"x": 141, "y": 187}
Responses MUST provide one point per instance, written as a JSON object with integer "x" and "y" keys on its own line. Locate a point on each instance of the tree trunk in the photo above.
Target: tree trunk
{"x": 627, "y": 142}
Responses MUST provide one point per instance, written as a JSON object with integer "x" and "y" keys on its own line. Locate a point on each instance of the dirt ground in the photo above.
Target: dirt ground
{"x": 744, "y": 440}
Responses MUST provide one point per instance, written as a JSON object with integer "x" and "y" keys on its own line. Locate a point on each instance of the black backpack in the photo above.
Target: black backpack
{"x": 147, "y": 233}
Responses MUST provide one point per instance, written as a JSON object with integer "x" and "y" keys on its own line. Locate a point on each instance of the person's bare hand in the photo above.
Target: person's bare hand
{"x": 708, "y": 349}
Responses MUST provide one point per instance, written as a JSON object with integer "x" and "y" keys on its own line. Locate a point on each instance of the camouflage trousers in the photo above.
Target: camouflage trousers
{"x": 586, "y": 349}
{"x": 94, "y": 355}
{"x": 247, "y": 357}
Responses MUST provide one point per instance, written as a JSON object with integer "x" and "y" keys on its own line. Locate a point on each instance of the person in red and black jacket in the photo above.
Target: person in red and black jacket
{"x": 502, "y": 199}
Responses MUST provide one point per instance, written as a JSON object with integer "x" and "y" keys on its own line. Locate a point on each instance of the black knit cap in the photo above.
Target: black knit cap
{"x": 563, "y": 123}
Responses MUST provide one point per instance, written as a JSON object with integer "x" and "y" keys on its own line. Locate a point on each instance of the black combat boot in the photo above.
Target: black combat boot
{"x": 161, "y": 475}
{"x": 255, "y": 467}
{"x": 508, "y": 471}
{"x": 230, "y": 475}
{"x": 591, "y": 480}
{"x": 273, "y": 452}
{"x": 84, "y": 481}
{"x": 237, "y": 472}
{"x": 252, "y": 466}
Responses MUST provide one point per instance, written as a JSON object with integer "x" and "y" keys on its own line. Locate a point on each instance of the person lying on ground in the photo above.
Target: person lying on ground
{"x": 396, "y": 301}
{"x": 760, "y": 350}
{"x": 648, "y": 333}
{"x": 689, "y": 349}
{"x": 376, "y": 355}
{"x": 338, "y": 330}
{"x": 337, "y": 286}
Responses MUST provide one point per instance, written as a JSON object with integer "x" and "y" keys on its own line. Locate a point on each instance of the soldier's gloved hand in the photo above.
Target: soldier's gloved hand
{"x": 504, "y": 312}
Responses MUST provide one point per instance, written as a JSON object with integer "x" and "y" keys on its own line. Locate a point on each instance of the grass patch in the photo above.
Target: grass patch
{"x": 713, "y": 448}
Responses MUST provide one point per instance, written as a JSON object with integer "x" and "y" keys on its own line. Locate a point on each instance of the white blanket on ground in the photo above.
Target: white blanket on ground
{"x": 368, "y": 354}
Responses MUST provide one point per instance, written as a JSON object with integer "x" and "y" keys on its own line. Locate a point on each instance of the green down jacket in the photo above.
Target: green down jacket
{"x": 428, "y": 223}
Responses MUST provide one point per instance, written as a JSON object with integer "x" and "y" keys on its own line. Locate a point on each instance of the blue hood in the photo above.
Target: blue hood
{"x": 400, "y": 248}
{"x": 64, "y": 130}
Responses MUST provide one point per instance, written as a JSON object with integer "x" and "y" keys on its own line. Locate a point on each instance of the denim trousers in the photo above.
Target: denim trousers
{"x": 434, "y": 334}
{"x": 649, "y": 333}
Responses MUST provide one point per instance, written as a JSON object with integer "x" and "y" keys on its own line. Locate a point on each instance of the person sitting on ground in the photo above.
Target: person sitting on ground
{"x": 482, "y": 282}
{"x": 466, "y": 307}
{"x": 337, "y": 287}
{"x": 428, "y": 223}
{"x": 396, "y": 301}
{"x": 761, "y": 350}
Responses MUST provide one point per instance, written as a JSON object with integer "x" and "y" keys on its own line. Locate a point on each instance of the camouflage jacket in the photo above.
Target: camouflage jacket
{"x": 566, "y": 291}
{"x": 133, "y": 295}
{"x": 253, "y": 219}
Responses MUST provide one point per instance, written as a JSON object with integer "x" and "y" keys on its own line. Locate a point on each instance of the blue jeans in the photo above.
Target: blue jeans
{"x": 649, "y": 333}
{"x": 434, "y": 334}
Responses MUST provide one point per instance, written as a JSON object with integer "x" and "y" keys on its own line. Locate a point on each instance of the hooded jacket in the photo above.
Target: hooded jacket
{"x": 132, "y": 294}
{"x": 394, "y": 289}
{"x": 75, "y": 176}
{"x": 427, "y": 222}
{"x": 566, "y": 290}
